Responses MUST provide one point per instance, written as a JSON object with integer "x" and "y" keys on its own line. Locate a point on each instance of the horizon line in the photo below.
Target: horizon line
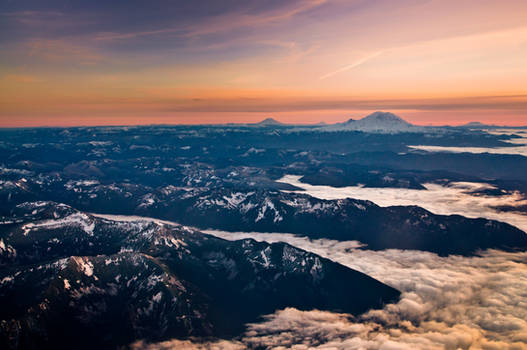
{"x": 249, "y": 124}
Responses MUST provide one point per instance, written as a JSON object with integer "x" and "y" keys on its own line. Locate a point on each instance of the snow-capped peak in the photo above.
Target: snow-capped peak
{"x": 269, "y": 122}
{"x": 383, "y": 118}
{"x": 377, "y": 122}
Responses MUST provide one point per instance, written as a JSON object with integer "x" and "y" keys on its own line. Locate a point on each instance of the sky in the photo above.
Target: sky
{"x": 76, "y": 62}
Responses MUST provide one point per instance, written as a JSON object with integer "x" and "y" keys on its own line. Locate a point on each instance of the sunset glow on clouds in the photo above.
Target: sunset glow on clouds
{"x": 432, "y": 62}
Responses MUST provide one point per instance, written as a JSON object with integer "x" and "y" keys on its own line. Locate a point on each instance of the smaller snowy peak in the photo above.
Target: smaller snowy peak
{"x": 268, "y": 122}
{"x": 474, "y": 124}
{"x": 477, "y": 125}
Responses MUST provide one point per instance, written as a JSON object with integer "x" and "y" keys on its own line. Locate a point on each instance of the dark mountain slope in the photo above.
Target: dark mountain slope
{"x": 346, "y": 219}
{"x": 131, "y": 280}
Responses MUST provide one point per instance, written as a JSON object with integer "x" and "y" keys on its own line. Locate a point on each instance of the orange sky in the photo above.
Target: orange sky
{"x": 432, "y": 62}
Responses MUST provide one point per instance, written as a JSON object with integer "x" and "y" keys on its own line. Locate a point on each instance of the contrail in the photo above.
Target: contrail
{"x": 351, "y": 66}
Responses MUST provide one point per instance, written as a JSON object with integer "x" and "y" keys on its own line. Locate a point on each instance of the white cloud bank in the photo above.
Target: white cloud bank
{"x": 521, "y": 149}
{"x": 518, "y": 150}
{"x": 447, "y": 303}
{"x": 453, "y": 198}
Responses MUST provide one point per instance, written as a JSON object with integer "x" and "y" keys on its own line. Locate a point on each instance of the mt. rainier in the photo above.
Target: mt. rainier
{"x": 378, "y": 122}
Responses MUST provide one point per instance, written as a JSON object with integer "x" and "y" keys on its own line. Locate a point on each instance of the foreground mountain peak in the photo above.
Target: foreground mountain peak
{"x": 154, "y": 280}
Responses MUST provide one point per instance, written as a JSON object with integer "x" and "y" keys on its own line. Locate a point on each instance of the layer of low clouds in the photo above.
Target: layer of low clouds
{"x": 447, "y": 303}
{"x": 520, "y": 149}
{"x": 453, "y": 198}
{"x": 451, "y": 303}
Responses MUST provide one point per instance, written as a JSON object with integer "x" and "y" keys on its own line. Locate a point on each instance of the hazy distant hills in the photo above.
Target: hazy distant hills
{"x": 476, "y": 125}
{"x": 479, "y": 125}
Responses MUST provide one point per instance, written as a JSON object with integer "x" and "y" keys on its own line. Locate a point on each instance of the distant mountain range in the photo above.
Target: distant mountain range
{"x": 378, "y": 122}
{"x": 478, "y": 125}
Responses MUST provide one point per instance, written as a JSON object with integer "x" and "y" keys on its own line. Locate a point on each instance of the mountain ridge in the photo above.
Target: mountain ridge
{"x": 73, "y": 280}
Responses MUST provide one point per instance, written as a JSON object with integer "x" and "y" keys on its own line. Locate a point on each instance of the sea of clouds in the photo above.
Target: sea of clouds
{"x": 447, "y": 303}
{"x": 463, "y": 198}
{"x": 520, "y": 149}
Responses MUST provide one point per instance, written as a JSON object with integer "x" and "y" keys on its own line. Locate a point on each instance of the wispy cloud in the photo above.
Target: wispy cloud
{"x": 22, "y": 78}
{"x": 61, "y": 51}
{"x": 351, "y": 66}
{"x": 223, "y": 23}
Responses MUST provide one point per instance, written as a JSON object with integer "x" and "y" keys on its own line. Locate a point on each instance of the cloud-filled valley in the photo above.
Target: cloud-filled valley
{"x": 447, "y": 303}
{"x": 451, "y": 302}
{"x": 519, "y": 148}
{"x": 453, "y": 198}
